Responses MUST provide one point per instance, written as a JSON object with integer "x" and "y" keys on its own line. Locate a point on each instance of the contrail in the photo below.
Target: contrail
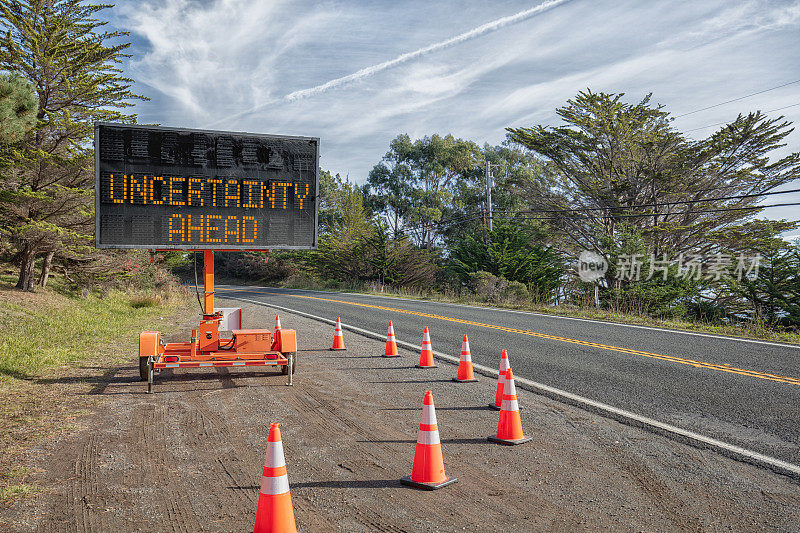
{"x": 374, "y": 69}
{"x": 466, "y": 36}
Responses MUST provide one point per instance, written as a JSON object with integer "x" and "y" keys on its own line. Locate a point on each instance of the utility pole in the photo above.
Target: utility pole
{"x": 489, "y": 185}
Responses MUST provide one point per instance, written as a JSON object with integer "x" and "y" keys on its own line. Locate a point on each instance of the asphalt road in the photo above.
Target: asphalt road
{"x": 745, "y": 393}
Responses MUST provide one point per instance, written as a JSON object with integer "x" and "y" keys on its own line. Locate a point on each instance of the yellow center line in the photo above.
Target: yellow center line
{"x": 697, "y": 364}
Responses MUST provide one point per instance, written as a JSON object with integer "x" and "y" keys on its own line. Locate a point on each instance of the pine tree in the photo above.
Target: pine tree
{"x": 62, "y": 49}
{"x": 18, "y": 108}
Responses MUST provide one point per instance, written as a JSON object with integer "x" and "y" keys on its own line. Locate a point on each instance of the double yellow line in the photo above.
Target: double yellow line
{"x": 672, "y": 359}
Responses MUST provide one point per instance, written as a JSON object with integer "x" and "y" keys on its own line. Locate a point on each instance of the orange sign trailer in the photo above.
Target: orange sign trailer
{"x": 207, "y": 348}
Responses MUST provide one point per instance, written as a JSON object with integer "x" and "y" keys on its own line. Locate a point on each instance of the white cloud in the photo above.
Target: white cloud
{"x": 357, "y": 75}
{"x": 218, "y": 54}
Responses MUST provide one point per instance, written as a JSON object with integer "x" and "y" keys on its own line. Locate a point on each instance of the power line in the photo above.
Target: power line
{"x": 720, "y": 123}
{"x": 461, "y": 220}
{"x": 465, "y": 217}
{"x": 457, "y": 218}
{"x": 659, "y": 204}
{"x": 640, "y": 215}
{"x": 737, "y": 99}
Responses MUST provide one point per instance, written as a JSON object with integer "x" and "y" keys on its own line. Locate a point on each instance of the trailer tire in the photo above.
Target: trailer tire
{"x": 285, "y": 368}
{"x": 143, "y": 367}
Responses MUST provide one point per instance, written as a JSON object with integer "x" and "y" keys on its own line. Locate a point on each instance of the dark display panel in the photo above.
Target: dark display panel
{"x": 159, "y": 187}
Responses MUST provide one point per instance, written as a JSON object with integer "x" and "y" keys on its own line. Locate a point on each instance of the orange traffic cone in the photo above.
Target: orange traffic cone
{"x": 274, "y": 512}
{"x": 509, "y": 428}
{"x": 277, "y": 325}
{"x": 391, "y": 343}
{"x": 465, "y": 372}
{"x": 428, "y": 470}
{"x": 426, "y": 355}
{"x": 501, "y": 381}
{"x": 338, "y": 339}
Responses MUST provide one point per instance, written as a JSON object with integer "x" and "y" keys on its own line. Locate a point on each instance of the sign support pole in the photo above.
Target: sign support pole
{"x": 208, "y": 281}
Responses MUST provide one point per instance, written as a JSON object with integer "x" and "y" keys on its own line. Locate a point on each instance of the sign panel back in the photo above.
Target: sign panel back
{"x": 163, "y": 188}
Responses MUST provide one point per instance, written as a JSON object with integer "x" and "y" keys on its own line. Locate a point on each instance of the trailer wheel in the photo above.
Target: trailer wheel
{"x": 285, "y": 368}
{"x": 143, "y": 368}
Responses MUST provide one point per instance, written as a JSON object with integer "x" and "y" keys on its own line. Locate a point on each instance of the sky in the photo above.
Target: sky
{"x": 357, "y": 74}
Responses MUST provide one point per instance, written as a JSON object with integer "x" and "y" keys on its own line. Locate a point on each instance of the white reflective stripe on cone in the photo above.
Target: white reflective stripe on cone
{"x": 272, "y": 486}
{"x": 509, "y": 405}
{"x": 428, "y": 437}
{"x": 504, "y": 365}
{"x": 466, "y": 357}
{"x": 426, "y": 338}
{"x": 510, "y": 389}
{"x": 428, "y": 414}
{"x": 274, "y": 457}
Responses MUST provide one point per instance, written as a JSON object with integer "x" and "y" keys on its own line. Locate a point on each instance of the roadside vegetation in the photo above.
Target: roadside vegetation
{"x": 52, "y": 340}
{"x": 678, "y": 223}
{"x": 53, "y": 327}
{"x": 676, "y": 220}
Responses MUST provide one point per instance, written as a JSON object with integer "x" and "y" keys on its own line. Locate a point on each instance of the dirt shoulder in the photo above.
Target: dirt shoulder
{"x": 55, "y": 352}
{"x": 189, "y": 457}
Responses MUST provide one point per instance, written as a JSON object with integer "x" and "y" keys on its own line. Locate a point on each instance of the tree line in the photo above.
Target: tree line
{"x": 614, "y": 178}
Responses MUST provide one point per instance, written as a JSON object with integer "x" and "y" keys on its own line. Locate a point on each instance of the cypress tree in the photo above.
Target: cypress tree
{"x": 74, "y": 65}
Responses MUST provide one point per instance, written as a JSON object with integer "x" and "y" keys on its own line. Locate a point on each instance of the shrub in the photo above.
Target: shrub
{"x": 516, "y": 293}
{"x": 487, "y": 287}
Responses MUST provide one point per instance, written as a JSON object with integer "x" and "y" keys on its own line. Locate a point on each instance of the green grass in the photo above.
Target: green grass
{"x": 48, "y": 329}
{"x": 17, "y": 490}
{"x": 139, "y": 302}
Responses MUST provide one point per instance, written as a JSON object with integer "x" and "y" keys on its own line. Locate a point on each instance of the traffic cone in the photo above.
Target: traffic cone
{"x": 428, "y": 469}
{"x": 426, "y": 355}
{"x": 509, "y": 427}
{"x": 277, "y": 325}
{"x": 501, "y": 381}
{"x": 391, "y": 343}
{"x": 338, "y": 339}
{"x": 274, "y": 512}
{"x": 465, "y": 372}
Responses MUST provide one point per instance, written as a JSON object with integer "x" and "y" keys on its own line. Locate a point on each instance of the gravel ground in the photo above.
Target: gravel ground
{"x": 189, "y": 457}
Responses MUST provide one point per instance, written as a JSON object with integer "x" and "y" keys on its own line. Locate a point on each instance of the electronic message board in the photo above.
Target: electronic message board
{"x": 161, "y": 188}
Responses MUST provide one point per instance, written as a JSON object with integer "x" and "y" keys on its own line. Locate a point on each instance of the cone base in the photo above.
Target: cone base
{"x": 497, "y": 407}
{"x": 336, "y": 349}
{"x": 464, "y": 380}
{"x": 397, "y": 355}
{"x": 426, "y": 366}
{"x": 427, "y": 486}
{"x": 509, "y": 442}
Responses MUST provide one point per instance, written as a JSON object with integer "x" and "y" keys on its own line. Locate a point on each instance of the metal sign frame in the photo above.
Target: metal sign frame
{"x": 223, "y": 247}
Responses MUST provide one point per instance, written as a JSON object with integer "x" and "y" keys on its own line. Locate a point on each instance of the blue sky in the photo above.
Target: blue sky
{"x": 357, "y": 74}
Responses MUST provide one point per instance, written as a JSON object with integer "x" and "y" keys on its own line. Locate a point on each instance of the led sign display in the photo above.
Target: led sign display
{"x": 159, "y": 187}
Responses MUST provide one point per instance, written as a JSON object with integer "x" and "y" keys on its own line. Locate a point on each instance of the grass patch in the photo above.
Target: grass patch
{"x": 17, "y": 490}
{"x": 46, "y": 329}
{"x": 139, "y": 302}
